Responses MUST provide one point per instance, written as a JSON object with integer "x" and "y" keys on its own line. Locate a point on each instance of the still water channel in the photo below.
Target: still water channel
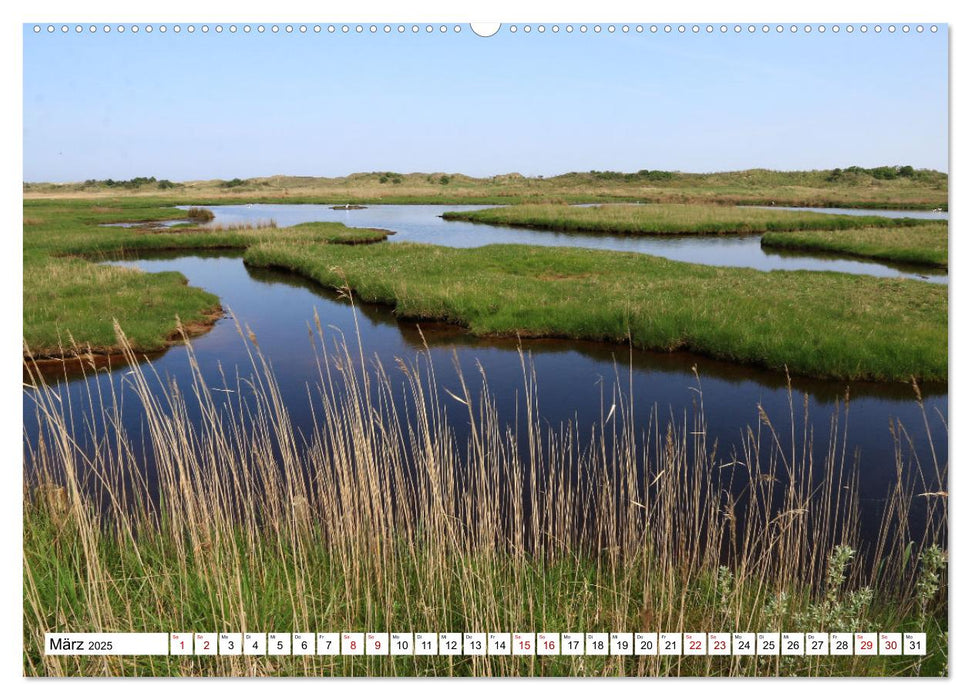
{"x": 423, "y": 224}
{"x": 574, "y": 378}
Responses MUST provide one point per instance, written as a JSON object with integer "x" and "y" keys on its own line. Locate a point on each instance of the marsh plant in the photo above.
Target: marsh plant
{"x": 672, "y": 219}
{"x": 199, "y": 214}
{"x": 929, "y": 582}
{"x": 840, "y": 610}
{"x": 219, "y": 515}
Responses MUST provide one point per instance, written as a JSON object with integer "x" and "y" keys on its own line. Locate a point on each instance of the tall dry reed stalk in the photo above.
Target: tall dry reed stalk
{"x": 221, "y": 516}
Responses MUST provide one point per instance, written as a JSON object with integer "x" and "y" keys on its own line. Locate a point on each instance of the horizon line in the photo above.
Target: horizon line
{"x": 495, "y": 175}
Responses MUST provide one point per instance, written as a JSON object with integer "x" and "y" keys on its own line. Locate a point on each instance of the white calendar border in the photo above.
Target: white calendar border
{"x": 508, "y": 10}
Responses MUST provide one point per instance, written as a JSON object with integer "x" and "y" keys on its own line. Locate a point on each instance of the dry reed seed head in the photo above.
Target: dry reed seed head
{"x": 53, "y": 498}
{"x": 763, "y": 416}
{"x": 913, "y": 383}
{"x": 89, "y": 358}
{"x": 202, "y": 540}
{"x": 728, "y": 512}
{"x": 301, "y": 510}
{"x": 474, "y": 540}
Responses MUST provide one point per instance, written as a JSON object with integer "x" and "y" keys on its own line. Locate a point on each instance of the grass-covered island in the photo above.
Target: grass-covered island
{"x": 71, "y": 301}
{"x": 813, "y": 323}
{"x": 380, "y": 517}
{"x": 669, "y": 219}
{"x": 916, "y": 245}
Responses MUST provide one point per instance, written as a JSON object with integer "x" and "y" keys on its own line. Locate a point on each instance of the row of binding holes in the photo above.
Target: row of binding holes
{"x": 428, "y": 28}
{"x": 260, "y": 29}
{"x": 723, "y": 28}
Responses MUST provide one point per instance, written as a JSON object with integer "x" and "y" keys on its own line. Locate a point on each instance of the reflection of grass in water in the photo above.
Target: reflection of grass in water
{"x": 421, "y": 334}
{"x": 818, "y": 324}
{"x": 381, "y": 520}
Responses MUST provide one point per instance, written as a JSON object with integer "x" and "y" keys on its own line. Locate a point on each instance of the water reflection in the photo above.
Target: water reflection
{"x": 934, "y": 215}
{"x": 576, "y": 381}
{"x": 422, "y": 223}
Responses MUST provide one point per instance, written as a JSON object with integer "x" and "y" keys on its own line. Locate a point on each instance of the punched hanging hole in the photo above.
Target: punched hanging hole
{"x": 485, "y": 29}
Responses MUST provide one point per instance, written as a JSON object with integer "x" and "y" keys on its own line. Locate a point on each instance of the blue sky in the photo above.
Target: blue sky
{"x": 235, "y": 105}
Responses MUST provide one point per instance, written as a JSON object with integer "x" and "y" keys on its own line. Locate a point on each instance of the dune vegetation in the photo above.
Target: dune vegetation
{"x": 887, "y": 187}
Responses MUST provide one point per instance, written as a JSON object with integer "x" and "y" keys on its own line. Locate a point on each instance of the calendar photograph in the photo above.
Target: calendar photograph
{"x": 426, "y": 349}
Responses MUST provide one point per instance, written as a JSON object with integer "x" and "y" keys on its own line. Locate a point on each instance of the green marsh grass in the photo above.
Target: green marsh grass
{"x": 67, "y": 300}
{"x": 70, "y": 299}
{"x": 381, "y": 519}
{"x": 70, "y": 304}
{"x": 918, "y": 245}
{"x": 669, "y": 219}
{"x": 822, "y": 324}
